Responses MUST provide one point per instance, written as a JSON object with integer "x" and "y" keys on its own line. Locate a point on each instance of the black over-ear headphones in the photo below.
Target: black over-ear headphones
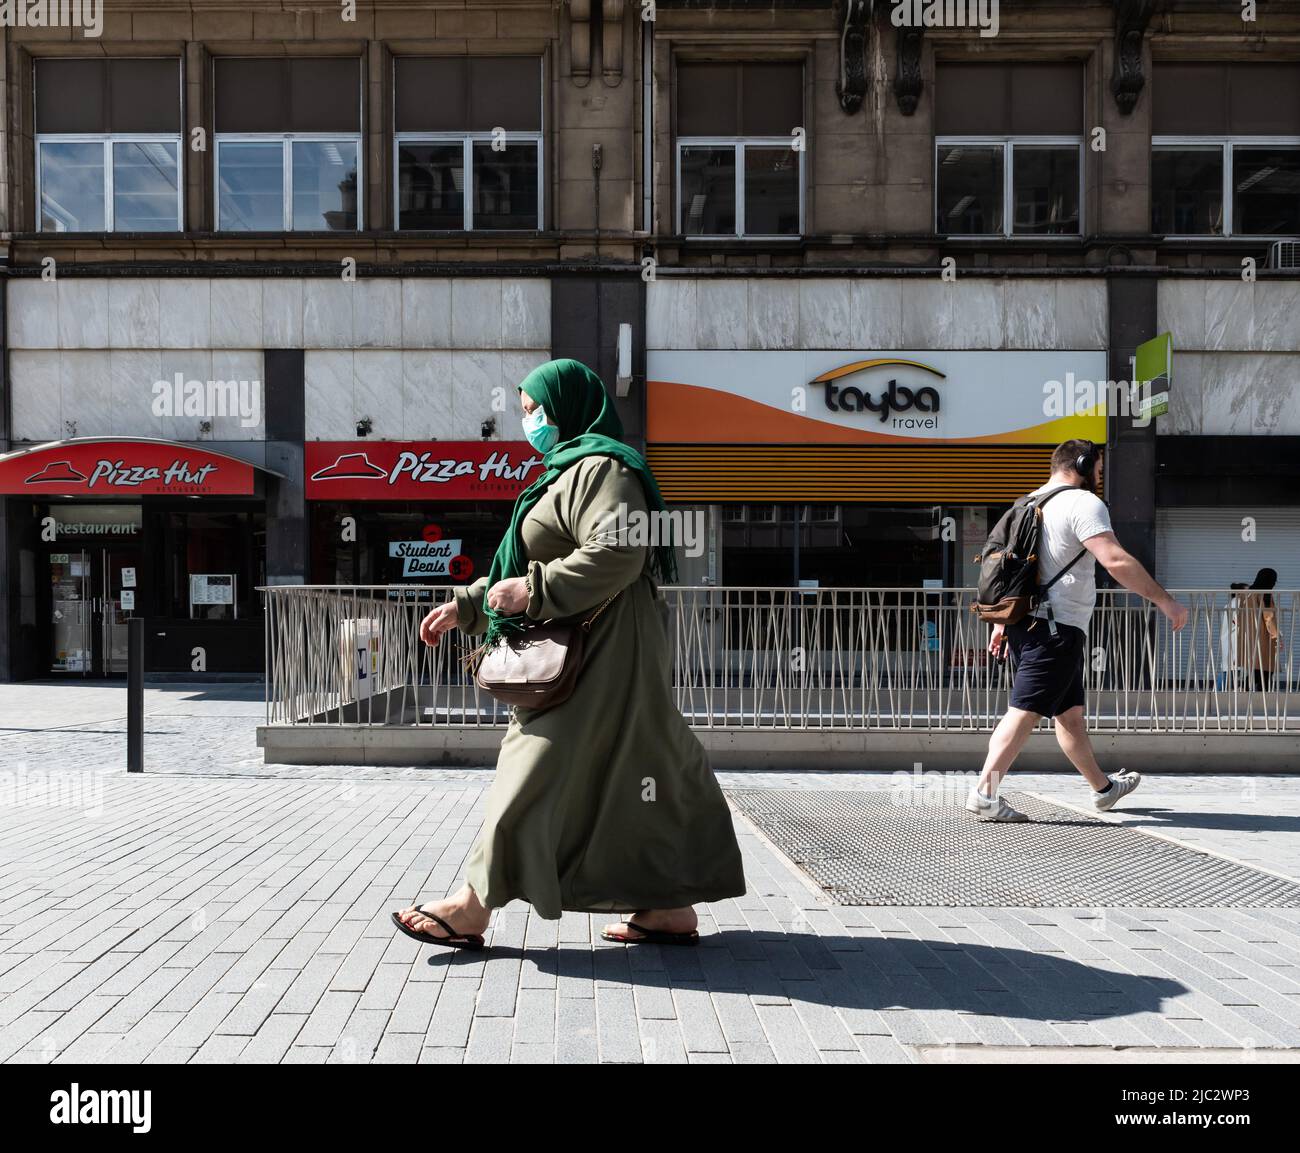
{"x": 1086, "y": 461}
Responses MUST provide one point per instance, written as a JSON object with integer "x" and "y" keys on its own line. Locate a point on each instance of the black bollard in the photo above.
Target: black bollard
{"x": 135, "y": 695}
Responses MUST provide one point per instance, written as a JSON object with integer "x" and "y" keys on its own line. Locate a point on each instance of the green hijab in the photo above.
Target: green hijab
{"x": 576, "y": 401}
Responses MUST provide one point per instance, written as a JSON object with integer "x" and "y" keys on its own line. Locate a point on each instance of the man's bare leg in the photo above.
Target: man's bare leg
{"x": 1072, "y": 736}
{"x": 1004, "y": 746}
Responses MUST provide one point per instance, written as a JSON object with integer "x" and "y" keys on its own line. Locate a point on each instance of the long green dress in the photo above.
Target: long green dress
{"x": 605, "y": 803}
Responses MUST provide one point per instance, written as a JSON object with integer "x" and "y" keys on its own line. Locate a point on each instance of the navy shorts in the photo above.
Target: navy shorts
{"x": 1048, "y": 676}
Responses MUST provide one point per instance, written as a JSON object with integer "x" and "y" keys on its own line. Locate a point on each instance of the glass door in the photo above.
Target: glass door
{"x": 117, "y": 606}
{"x": 71, "y": 609}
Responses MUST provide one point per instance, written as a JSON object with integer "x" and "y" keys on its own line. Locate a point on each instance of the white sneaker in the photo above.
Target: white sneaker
{"x": 1121, "y": 784}
{"x": 994, "y": 810}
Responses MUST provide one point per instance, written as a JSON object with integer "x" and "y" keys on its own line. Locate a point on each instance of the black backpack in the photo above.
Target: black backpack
{"x": 1009, "y": 588}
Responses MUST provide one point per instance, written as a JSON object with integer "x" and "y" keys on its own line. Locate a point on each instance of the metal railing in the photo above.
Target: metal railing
{"x": 832, "y": 659}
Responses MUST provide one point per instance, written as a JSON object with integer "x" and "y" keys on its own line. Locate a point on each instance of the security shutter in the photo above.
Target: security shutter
{"x": 1202, "y": 548}
{"x": 826, "y": 473}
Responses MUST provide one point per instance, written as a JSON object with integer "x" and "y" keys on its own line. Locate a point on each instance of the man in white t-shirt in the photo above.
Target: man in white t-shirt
{"x": 1048, "y": 647}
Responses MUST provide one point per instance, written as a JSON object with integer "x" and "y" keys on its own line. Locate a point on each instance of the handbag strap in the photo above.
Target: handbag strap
{"x": 586, "y": 625}
{"x": 472, "y": 658}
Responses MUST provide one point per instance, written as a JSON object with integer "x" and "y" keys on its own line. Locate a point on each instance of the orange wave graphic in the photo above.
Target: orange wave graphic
{"x": 693, "y": 414}
{"x": 860, "y": 365}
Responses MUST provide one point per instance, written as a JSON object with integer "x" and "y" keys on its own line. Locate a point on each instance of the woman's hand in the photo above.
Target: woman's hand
{"x": 440, "y": 620}
{"x": 508, "y": 596}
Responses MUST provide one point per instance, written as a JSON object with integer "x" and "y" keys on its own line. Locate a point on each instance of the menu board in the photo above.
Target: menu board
{"x": 212, "y": 589}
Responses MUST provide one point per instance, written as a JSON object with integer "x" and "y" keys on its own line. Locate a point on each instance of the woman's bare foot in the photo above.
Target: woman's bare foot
{"x": 462, "y": 911}
{"x": 681, "y": 920}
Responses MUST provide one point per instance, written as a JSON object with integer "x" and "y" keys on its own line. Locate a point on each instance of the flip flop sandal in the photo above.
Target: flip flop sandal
{"x": 453, "y": 940}
{"x": 654, "y": 936}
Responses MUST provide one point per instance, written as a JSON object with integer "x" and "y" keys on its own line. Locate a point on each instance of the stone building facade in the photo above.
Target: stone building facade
{"x": 385, "y": 216}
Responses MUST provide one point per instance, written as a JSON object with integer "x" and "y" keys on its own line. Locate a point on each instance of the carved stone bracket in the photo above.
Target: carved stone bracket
{"x": 851, "y": 87}
{"x": 1127, "y": 81}
{"x": 908, "y": 84}
{"x": 580, "y": 42}
{"x": 611, "y": 41}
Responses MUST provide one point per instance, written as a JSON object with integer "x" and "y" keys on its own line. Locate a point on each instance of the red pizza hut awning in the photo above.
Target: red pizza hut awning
{"x": 124, "y": 467}
{"x": 348, "y": 470}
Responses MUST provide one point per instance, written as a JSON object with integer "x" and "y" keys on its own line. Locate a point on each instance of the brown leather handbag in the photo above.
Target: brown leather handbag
{"x": 538, "y": 667}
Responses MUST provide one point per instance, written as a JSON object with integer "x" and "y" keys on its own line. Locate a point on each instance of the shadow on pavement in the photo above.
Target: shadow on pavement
{"x": 862, "y": 973}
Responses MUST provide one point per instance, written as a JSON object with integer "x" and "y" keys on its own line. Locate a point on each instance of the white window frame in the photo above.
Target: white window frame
{"x": 467, "y": 141}
{"x": 286, "y": 140}
{"x": 1008, "y": 145}
{"x": 108, "y": 139}
{"x": 1226, "y": 144}
{"x": 739, "y": 144}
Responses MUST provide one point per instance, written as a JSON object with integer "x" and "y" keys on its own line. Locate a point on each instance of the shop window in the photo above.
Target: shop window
{"x": 108, "y": 145}
{"x": 1009, "y": 149}
{"x": 288, "y": 144}
{"x": 209, "y": 563}
{"x": 406, "y": 543}
{"x": 1225, "y": 150}
{"x": 468, "y": 146}
{"x": 738, "y": 170}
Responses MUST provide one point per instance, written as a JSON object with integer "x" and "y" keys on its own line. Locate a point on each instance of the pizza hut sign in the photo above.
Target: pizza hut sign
{"x": 124, "y": 468}
{"x": 404, "y": 470}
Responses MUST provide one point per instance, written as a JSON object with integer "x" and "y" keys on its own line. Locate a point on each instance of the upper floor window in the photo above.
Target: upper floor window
{"x": 108, "y": 145}
{"x": 287, "y": 143}
{"x": 1225, "y": 150}
{"x": 738, "y": 170}
{"x": 1008, "y": 149}
{"x": 468, "y": 149}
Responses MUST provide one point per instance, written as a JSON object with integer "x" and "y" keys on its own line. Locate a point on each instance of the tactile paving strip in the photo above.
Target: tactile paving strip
{"x": 887, "y": 848}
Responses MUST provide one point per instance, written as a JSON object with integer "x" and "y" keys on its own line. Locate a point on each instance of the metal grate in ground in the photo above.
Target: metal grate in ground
{"x": 877, "y": 847}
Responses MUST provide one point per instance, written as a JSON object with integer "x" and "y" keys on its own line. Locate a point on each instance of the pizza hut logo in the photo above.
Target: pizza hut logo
{"x": 425, "y": 468}
{"x": 57, "y": 472}
{"x": 118, "y": 474}
{"x": 350, "y": 466}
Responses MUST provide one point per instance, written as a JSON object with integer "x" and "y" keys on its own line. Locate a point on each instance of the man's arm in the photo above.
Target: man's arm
{"x": 1128, "y": 570}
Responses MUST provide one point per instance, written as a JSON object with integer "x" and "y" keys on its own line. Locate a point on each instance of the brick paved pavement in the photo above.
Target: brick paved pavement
{"x": 216, "y": 909}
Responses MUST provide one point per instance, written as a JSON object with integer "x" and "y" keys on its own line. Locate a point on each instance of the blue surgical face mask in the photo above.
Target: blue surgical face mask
{"x": 541, "y": 436}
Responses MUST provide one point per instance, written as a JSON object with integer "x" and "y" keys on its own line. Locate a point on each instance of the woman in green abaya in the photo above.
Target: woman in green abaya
{"x": 606, "y": 802}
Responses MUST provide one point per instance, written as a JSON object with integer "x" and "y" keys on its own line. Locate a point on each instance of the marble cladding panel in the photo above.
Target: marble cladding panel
{"x": 723, "y": 314}
{"x": 86, "y": 396}
{"x": 1082, "y": 314}
{"x": 83, "y": 313}
{"x": 133, "y": 313}
{"x": 773, "y": 314}
{"x": 239, "y": 384}
{"x": 1230, "y": 315}
{"x": 870, "y": 313}
{"x": 32, "y": 308}
{"x": 416, "y": 394}
{"x": 237, "y": 313}
{"x": 134, "y": 374}
{"x": 36, "y": 411}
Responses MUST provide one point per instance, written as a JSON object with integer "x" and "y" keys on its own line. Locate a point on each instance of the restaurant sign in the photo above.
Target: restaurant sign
{"x": 123, "y": 468}
{"x": 419, "y": 470}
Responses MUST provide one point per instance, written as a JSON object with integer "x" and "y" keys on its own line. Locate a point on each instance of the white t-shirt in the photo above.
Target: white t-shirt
{"x": 1069, "y": 519}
